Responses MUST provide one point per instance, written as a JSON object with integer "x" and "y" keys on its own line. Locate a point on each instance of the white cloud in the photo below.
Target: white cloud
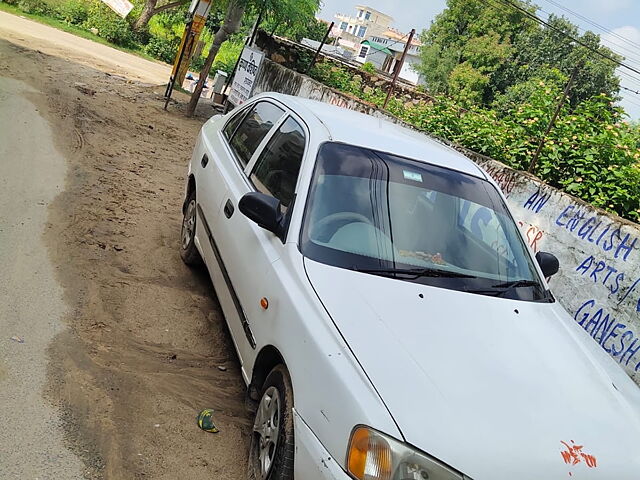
{"x": 609, "y": 6}
{"x": 627, "y": 32}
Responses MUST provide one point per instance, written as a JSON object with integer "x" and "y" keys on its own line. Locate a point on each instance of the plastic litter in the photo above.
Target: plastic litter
{"x": 205, "y": 421}
{"x": 17, "y": 339}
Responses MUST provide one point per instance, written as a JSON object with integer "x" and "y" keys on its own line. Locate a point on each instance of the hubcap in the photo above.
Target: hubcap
{"x": 266, "y": 429}
{"x": 188, "y": 224}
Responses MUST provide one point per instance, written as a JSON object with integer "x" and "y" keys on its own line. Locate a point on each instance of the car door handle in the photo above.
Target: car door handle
{"x": 228, "y": 209}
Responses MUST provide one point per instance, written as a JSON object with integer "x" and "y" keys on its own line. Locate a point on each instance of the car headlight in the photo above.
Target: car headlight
{"x": 375, "y": 456}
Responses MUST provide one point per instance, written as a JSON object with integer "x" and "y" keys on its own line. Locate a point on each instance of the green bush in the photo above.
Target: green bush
{"x": 227, "y": 56}
{"x": 368, "y": 67}
{"x": 109, "y": 25}
{"x": 162, "y": 49}
{"x": 34, "y": 7}
{"x": 73, "y": 12}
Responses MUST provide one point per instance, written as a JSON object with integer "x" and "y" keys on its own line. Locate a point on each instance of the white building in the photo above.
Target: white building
{"x": 368, "y": 21}
{"x": 384, "y": 51}
{"x": 372, "y": 39}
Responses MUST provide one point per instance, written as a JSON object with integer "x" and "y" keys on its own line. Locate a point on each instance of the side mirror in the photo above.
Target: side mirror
{"x": 263, "y": 210}
{"x": 548, "y": 263}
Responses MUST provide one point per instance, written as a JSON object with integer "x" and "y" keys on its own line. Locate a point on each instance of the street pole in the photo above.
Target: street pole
{"x": 399, "y": 67}
{"x": 178, "y": 65}
{"x": 324, "y": 40}
{"x": 565, "y": 94}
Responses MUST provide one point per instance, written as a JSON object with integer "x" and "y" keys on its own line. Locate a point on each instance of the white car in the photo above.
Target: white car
{"x": 390, "y": 320}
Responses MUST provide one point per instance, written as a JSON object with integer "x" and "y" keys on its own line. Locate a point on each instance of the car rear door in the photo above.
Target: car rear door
{"x": 247, "y": 249}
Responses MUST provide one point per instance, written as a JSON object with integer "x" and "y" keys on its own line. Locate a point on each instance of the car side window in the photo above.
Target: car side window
{"x": 232, "y": 126}
{"x": 254, "y": 127}
{"x": 276, "y": 170}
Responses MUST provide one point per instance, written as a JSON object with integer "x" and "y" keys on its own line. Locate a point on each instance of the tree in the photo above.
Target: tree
{"x": 230, "y": 25}
{"x": 151, "y": 8}
{"x": 282, "y": 12}
{"x": 469, "y": 39}
{"x": 546, "y": 47}
{"x": 294, "y": 19}
{"x": 496, "y": 47}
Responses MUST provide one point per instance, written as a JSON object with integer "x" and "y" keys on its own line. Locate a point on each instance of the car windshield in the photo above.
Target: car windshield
{"x": 381, "y": 214}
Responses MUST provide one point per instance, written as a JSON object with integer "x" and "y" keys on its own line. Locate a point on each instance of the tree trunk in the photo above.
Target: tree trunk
{"x": 150, "y": 9}
{"x": 231, "y": 24}
{"x": 147, "y": 12}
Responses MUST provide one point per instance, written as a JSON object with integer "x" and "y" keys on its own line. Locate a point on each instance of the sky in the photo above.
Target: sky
{"x": 620, "y": 18}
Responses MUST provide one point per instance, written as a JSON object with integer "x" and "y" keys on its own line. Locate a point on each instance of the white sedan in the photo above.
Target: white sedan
{"x": 390, "y": 320}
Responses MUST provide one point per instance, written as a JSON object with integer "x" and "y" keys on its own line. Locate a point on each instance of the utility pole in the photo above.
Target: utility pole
{"x": 399, "y": 67}
{"x": 565, "y": 94}
{"x": 324, "y": 40}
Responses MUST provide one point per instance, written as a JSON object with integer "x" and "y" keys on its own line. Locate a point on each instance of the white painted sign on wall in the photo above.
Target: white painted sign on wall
{"x": 599, "y": 278}
{"x": 246, "y": 74}
{"x": 121, "y": 7}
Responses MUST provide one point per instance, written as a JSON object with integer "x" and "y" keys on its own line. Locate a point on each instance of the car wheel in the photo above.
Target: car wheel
{"x": 188, "y": 250}
{"x": 272, "y": 444}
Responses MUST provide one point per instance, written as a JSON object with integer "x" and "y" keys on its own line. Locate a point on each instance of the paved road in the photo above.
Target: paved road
{"x": 31, "y": 306}
{"x": 54, "y": 42}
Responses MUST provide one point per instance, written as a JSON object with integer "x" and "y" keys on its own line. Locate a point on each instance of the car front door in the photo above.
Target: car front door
{"x": 247, "y": 249}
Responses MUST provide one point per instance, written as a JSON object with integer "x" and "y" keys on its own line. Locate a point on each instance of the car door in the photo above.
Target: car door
{"x": 214, "y": 163}
{"x": 248, "y": 249}
{"x": 233, "y": 147}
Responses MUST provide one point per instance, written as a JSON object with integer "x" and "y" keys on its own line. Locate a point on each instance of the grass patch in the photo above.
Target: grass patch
{"x": 74, "y": 30}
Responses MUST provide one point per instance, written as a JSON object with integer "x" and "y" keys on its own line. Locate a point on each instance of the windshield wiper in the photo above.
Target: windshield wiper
{"x": 414, "y": 272}
{"x": 505, "y": 287}
{"x": 517, "y": 284}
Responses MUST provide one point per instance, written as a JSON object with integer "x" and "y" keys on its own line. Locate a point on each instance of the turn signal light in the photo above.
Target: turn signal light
{"x": 369, "y": 456}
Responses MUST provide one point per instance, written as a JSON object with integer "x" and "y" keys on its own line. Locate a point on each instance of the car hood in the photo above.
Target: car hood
{"x": 490, "y": 386}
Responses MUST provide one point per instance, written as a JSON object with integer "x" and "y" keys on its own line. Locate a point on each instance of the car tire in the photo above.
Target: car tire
{"x": 272, "y": 441}
{"x": 188, "y": 251}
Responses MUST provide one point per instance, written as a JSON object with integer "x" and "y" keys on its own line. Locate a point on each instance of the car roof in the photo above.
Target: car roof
{"x": 355, "y": 128}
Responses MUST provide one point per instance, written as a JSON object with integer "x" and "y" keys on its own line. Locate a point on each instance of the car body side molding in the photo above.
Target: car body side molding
{"x": 225, "y": 274}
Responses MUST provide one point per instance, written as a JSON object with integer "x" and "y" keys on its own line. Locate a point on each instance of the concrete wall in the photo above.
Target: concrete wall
{"x": 599, "y": 253}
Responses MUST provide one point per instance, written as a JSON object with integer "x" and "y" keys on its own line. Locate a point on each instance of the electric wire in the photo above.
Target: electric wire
{"x": 632, "y": 55}
{"x": 593, "y": 23}
{"x": 571, "y": 37}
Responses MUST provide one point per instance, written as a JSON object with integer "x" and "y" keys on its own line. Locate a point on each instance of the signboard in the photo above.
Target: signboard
{"x": 200, "y": 8}
{"x": 121, "y": 7}
{"x": 245, "y": 77}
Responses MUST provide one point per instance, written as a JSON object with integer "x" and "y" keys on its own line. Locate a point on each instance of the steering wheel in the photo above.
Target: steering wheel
{"x": 329, "y": 225}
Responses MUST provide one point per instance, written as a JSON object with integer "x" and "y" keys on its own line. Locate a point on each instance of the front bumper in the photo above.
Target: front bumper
{"x": 312, "y": 461}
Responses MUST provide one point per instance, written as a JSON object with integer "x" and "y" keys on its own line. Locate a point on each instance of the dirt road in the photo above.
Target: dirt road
{"x": 69, "y": 47}
{"x": 124, "y": 340}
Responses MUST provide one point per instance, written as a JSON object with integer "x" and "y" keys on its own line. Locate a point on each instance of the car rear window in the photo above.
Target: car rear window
{"x": 253, "y": 129}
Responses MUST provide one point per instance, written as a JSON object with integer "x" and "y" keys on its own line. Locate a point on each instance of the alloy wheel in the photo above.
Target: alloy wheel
{"x": 189, "y": 224}
{"x": 266, "y": 429}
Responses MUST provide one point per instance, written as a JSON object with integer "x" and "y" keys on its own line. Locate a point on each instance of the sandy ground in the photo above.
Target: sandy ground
{"x": 136, "y": 352}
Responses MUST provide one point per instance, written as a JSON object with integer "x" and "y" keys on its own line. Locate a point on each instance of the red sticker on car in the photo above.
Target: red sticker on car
{"x": 574, "y": 454}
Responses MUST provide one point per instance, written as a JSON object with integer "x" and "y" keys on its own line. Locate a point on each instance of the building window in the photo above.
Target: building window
{"x": 362, "y": 31}
{"x": 367, "y": 16}
{"x": 344, "y": 25}
{"x": 363, "y": 51}
{"x": 360, "y": 13}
